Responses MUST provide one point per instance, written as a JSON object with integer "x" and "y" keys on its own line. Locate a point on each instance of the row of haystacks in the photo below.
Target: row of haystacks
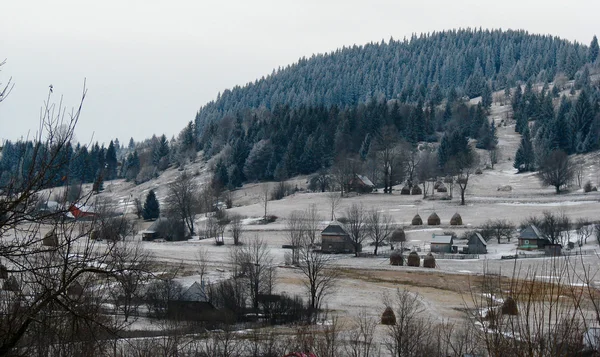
{"x": 434, "y": 220}
{"x": 416, "y": 190}
{"x": 413, "y": 259}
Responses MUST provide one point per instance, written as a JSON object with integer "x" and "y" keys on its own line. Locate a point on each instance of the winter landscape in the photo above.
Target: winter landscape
{"x": 431, "y": 196}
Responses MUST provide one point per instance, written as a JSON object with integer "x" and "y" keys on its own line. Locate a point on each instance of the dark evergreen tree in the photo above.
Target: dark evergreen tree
{"x": 525, "y": 156}
{"x": 111, "y": 161}
{"x": 151, "y": 209}
{"x": 593, "y": 51}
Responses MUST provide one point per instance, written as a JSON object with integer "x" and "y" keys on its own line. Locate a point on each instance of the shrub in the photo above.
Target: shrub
{"x": 587, "y": 187}
{"x": 282, "y": 190}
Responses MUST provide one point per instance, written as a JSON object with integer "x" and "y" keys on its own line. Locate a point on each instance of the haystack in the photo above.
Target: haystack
{"x": 429, "y": 261}
{"x": 396, "y": 258}
{"x": 509, "y": 307}
{"x": 417, "y": 221}
{"x": 416, "y": 190}
{"x": 3, "y": 272}
{"x": 10, "y": 284}
{"x": 442, "y": 188}
{"x": 433, "y": 220}
{"x": 456, "y": 220}
{"x": 437, "y": 184}
{"x": 388, "y": 317}
{"x": 413, "y": 260}
{"x": 50, "y": 239}
{"x": 405, "y": 190}
{"x": 75, "y": 289}
{"x": 398, "y": 235}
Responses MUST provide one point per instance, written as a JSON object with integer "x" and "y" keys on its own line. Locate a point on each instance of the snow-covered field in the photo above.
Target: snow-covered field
{"x": 366, "y": 280}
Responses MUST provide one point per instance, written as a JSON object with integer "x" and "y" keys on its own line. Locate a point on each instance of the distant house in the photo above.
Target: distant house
{"x": 82, "y": 211}
{"x": 531, "y": 238}
{"x": 361, "y": 184}
{"x": 153, "y": 232}
{"x": 193, "y": 305}
{"x": 335, "y": 239}
{"x": 441, "y": 244}
{"x": 477, "y": 245}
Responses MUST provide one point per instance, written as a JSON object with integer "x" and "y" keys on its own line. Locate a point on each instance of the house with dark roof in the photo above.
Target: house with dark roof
{"x": 361, "y": 184}
{"x": 531, "y": 238}
{"x": 476, "y": 243}
{"x": 153, "y": 232}
{"x": 441, "y": 244}
{"x": 335, "y": 239}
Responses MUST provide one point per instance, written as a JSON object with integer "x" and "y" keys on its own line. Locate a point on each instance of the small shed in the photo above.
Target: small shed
{"x": 530, "y": 238}
{"x": 477, "y": 245}
{"x": 456, "y": 220}
{"x": 417, "y": 221}
{"x": 153, "y": 232}
{"x": 396, "y": 258}
{"x": 441, "y": 244}
{"x": 335, "y": 239}
{"x": 413, "y": 260}
{"x": 433, "y": 220}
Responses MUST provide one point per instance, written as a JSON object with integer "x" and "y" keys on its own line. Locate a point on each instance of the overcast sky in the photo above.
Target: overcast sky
{"x": 150, "y": 65}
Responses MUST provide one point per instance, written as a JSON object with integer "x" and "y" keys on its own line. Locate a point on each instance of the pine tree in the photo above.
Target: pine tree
{"x": 151, "y": 209}
{"x": 593, "y": 51}
{"x": 525, "y": 157}
{"x": 111, "y": 162}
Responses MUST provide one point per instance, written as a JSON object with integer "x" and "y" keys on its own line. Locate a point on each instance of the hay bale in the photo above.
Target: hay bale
{"x": 75, "y": 289}
{"x": 405, "y": 190}
{"x": 433, "y": 220}
{"x": 416, "y": 190}
{"x": 442, "y": 188}
{"x": 396, "y": 258}
{"x": 509, "y": 306}
{"x": 429, "y": 261}
{"x": 50, "y": 239}
{"x": 505, "y": 188}
{"x": 3, "y": 272}
{"x": 437, "y": 184}
{"x": 388, "y": 317}
{"x": 456, "y": 220}
{"x": 478, "y": 172}
{"x": 594, "y": 189}
{"x": 10, "y": 284}
{"x": 398, "y": 235}
{"x": 413, "y": 260}
{"x": 417, "y": 221}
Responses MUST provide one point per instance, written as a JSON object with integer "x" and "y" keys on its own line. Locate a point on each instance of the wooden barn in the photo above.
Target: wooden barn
{"x": 335, "y": 239}
{"x": 477, "y": 245}
{"x": 153, "y": 232}
{"x": 361, "y": 184}
{"x": 531, "y": 238}
{"x": 441, "y": 244}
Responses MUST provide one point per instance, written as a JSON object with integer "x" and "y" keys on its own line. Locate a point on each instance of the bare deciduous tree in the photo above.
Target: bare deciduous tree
{"x": 361, "y": 338}
{"x": 556, "y": 170}
{"x": 355, "y": 226}
{"x": 264, "y": 196}
{"x": 426, "y": 170}
{"x": 334, "y": 199}
{"x": 311, "y": 214}
{"x": 319, "y": 276}
{"x": 379, "y": 227}
{"x": 500, "y": 228}
{"x": 297, "y": 230}
{"x": 183, "y": 199}
{"x": 237, "y": 228}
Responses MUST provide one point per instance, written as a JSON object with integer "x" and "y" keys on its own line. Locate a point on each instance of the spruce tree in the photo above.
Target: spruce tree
{"x": 525, "y": 157}
{"x": 593, "y": 52}
{"x": 111, "y": 161}
{"x": 151, "y": 209}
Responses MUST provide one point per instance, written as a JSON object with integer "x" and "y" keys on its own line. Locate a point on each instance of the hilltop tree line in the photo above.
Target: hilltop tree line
{"x": 465, "y": 62}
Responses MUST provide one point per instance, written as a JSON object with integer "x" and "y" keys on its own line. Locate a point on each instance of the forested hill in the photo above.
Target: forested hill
{"x": 424, "y": 67}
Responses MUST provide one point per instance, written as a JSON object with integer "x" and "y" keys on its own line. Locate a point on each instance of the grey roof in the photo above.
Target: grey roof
{"x": 478, "y": 236}
{"x": 195, "y": 293}
{"x": 154, "y": 226}
{"x": 531, "y": 232}
{"x": 365, "y": 180}
{"x": 442, "y": 239}
{"x": 335, "y": 229}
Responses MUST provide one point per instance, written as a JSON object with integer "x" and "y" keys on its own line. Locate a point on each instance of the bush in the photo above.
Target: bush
{"x": 269, "y": 219}
{"x": 587, "y": 187}
{"x": 146, "y": 174}
{"x": 282, "y": 190}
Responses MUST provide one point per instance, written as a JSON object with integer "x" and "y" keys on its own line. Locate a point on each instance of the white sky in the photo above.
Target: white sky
{"x": 151, "y": 64}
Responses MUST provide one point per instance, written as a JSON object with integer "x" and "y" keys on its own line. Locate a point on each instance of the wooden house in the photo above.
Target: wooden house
{"x": 531, "y": 238}
{"x": 153, "y": 232}
{"x": 441, "y": 244}
{"x": 361, "y": 184}
{"x": 335, "y": 239}
{"x": 477, "y": 245}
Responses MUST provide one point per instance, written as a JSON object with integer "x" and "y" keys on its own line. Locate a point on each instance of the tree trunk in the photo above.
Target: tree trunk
{"x": 462, "y": 196}
{"x": 376, "y": 246}
{"x": 557, "y": 189}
